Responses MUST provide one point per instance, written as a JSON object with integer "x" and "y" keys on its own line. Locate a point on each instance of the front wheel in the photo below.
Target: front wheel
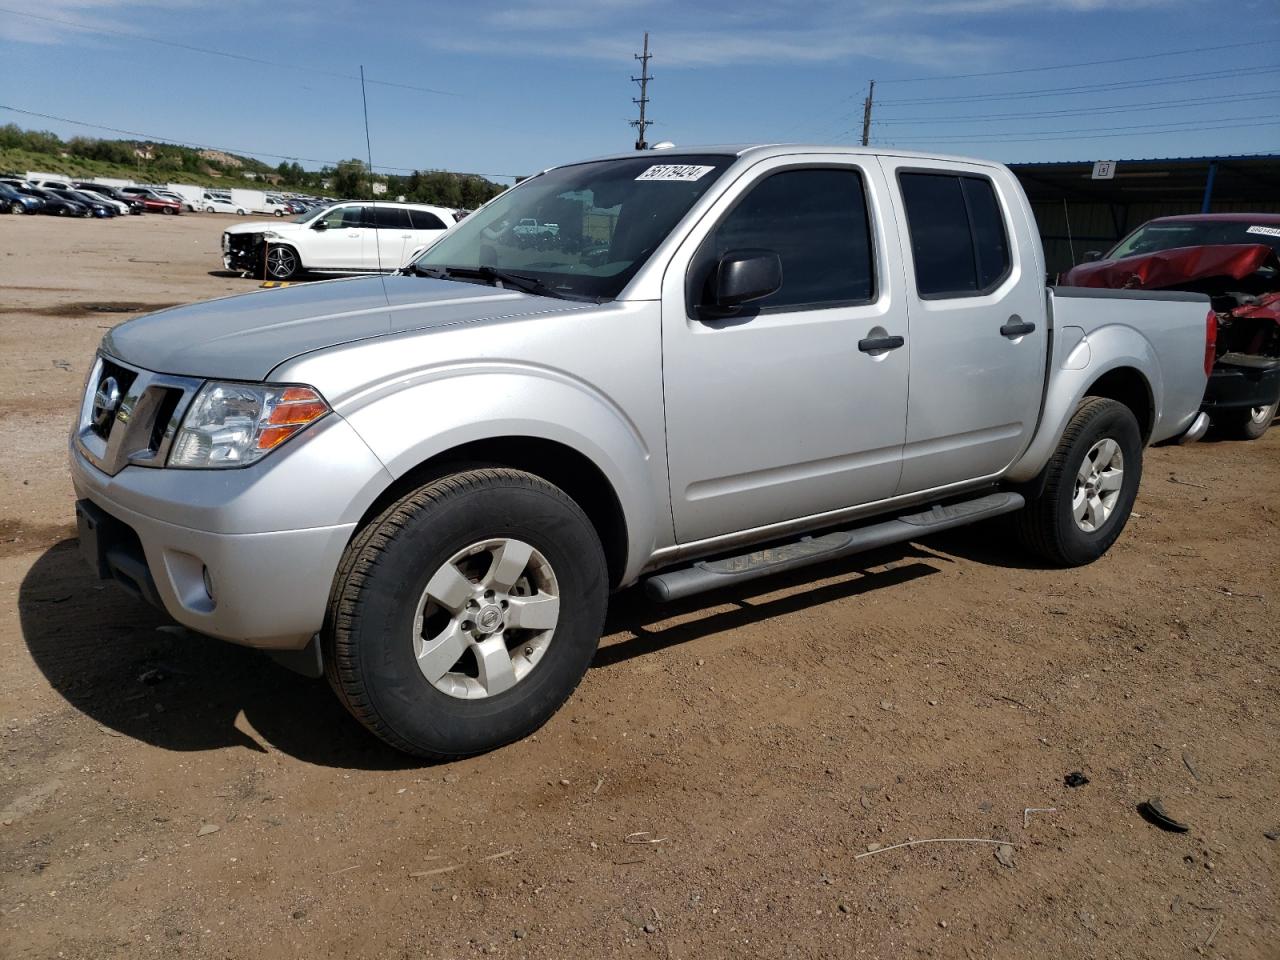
{"x": 283, "y": 263}
{"x": 467, "y": 613}
{"x": 1251, "y": 423}
{"x": 1090, "y": 486}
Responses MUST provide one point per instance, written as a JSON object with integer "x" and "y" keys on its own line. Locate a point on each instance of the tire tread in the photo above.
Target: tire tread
{"x": 362, "y": 558}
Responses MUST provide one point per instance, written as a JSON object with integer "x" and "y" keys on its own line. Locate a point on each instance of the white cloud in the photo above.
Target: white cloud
{"x": 723, "y": 32}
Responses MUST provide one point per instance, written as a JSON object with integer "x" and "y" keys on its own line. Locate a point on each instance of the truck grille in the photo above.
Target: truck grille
{"x": 129, "y": 415}
{"x": 111, "y": 377}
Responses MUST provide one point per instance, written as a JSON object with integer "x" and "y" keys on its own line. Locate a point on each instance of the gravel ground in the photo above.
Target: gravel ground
{"x": 709, "y": 789}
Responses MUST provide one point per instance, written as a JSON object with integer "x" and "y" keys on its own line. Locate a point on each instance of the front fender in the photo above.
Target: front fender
{"x": 1079, "y": 361}
{"x": 461, "y": 403}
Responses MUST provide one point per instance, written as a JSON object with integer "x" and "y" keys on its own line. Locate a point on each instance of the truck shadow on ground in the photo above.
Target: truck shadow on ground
{"x": 131, "y": 671}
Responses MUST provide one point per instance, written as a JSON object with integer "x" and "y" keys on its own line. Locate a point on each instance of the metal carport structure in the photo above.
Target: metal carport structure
{"x": 1076, "y": 212}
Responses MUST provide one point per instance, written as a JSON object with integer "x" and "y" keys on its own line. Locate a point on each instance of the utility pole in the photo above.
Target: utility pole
{"x": 866, "y": 114}
{"x": 642, "y": 124}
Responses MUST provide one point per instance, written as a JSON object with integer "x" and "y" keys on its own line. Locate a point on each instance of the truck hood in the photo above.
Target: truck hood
{"x": 245, "y": 337}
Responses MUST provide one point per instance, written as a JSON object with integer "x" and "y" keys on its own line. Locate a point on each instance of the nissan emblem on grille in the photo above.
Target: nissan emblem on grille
{"x": 105, "y": 402}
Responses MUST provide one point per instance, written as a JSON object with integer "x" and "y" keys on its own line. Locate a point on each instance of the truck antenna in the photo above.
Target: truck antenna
{"x": 368, "y": 146}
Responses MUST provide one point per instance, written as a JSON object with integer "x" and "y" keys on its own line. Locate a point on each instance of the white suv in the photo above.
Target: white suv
{"x": 351, "y": 237}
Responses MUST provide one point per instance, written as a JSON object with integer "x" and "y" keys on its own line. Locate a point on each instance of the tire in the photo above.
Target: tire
{"x": 283, "y": 262}
{"x": 1248, "y": 424}
{"x": 169, "y": 211}
{"x": 208, "y": 209}
{"x": 17, "y": 207}
{"x": 279, "y": 213}
{"x": 240, "y": 213}
{"x": 383, "y": 614}
{"x": 1048, "y": 525}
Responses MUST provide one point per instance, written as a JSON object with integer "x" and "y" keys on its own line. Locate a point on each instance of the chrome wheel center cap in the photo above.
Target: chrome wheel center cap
{"x": 489, "y": 619}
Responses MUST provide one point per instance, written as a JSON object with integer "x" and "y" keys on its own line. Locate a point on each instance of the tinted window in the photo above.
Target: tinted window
{"x": 816, "y": 221}
{"x": 989, "y": 238}
{"x": 389, "y": 218}
{"x": 958, "y": 241}
{"x": 422, "y": 220}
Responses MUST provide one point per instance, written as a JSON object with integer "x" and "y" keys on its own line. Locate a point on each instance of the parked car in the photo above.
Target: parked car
{"x": 356, "y": 237}
{"x": 154, "y": 202}
{"x": 442, "y": 473}
{"x": 530, "y": 227}
{"x": 11, "y": 201}
{"x": 1235, "y": 259}
{"x": 118, "y": 207}
{"x": 98, "y": 207}
{"x": 220, "y": 203}
{"x": 135, "y": 205}
{"x": 52, "y": 204}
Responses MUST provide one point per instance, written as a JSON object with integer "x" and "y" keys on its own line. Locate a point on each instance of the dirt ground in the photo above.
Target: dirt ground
{"x": 708, "y": 790}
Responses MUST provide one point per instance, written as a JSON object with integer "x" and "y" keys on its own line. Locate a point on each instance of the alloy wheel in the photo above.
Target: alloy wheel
{"x": 486, "y": 618}
{"x": 1098, "y": 484}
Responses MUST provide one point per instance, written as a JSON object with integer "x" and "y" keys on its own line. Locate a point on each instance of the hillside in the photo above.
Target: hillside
{"x": 85, "y": 157}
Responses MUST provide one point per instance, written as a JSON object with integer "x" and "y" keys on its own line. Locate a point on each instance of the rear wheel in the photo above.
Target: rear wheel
{"x": 1090, "y": 486}
{"x": 1249, "y": 424}
{"x": 283, "y": 262}
{"x": 467, "y": 613}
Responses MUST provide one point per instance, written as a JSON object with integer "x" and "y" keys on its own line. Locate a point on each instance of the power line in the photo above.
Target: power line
{"x": 245, "y": 58}
{"x": 1090, "y": 88}
{"x": 240, "y": 150}
{"x": 1091, "y": 133}
{"x": 1086, "y": 63}
{"x": 1092, "y": 111}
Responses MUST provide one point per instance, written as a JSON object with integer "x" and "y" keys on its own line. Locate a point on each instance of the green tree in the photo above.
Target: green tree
{"x": 349, "y": 179}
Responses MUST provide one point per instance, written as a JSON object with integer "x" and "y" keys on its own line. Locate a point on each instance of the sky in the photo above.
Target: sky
{"x": 505, "y": 88}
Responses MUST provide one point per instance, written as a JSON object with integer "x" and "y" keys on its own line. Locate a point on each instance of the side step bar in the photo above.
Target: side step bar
{"x": 711, "y": 574}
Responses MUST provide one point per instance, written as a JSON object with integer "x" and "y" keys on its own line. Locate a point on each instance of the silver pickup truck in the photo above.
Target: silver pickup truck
{"x": 725, "y": 363}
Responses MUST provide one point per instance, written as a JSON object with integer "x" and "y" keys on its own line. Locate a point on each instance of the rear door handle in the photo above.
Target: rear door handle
{"x": 874, "y": 344}
{"x": 1017, "y": 327}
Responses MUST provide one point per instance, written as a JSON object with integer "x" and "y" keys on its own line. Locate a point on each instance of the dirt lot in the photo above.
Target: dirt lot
{"x": 705, "y": 792}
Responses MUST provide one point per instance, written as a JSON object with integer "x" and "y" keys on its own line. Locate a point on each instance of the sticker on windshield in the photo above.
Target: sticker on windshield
{"x": 1265, "y": 231}
{"x": 683, "y": 172}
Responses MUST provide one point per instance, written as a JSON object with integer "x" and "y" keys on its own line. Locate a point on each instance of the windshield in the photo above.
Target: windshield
{"x": 583, "y": 230}
{"x": 1195, "y": 233}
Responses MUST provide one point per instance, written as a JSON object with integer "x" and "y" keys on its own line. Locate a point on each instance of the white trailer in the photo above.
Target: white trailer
{"x": 252, "y": 201}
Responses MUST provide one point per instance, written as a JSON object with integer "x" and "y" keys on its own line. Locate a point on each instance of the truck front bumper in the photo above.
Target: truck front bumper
{"x": 231, "y": 553}
{"x": 1242, "y": 381}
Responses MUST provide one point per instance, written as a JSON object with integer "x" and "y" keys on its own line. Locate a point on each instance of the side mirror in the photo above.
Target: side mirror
{"x": 742, "y": 276}
{"x": 319, "y": 225}
{"x": 1091, "y": 255}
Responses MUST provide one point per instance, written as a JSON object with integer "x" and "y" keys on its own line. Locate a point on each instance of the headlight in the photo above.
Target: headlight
{"x": 236, "y": 424}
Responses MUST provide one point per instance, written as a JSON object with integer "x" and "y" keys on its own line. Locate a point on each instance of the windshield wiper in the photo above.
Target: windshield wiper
{"x": 494, "y": 277}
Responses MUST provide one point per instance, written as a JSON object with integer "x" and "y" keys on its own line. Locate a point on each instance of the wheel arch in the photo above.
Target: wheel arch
{"x": 1128, "y": 386}
{"x": 557, "y": 463}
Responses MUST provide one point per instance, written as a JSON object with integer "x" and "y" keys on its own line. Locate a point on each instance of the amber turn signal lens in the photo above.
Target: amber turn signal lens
{"x": 296, "y": 408}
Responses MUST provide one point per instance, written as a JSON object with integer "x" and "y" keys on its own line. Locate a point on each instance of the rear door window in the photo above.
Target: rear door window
{"x": 958, "y": 240}
{"x": 425, "y": 220}
{"x": 390, "y": 218}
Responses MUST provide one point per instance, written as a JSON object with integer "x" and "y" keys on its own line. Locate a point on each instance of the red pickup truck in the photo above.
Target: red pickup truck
{"x": 1235, "y": 259}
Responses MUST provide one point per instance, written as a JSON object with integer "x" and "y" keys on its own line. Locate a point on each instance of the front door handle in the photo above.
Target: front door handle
{"x": 875, "y": 344}
{"x": 1017, "y": 327}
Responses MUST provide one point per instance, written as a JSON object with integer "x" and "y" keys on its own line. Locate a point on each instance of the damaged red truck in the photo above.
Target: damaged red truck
{"x": 1235, "y": 259}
